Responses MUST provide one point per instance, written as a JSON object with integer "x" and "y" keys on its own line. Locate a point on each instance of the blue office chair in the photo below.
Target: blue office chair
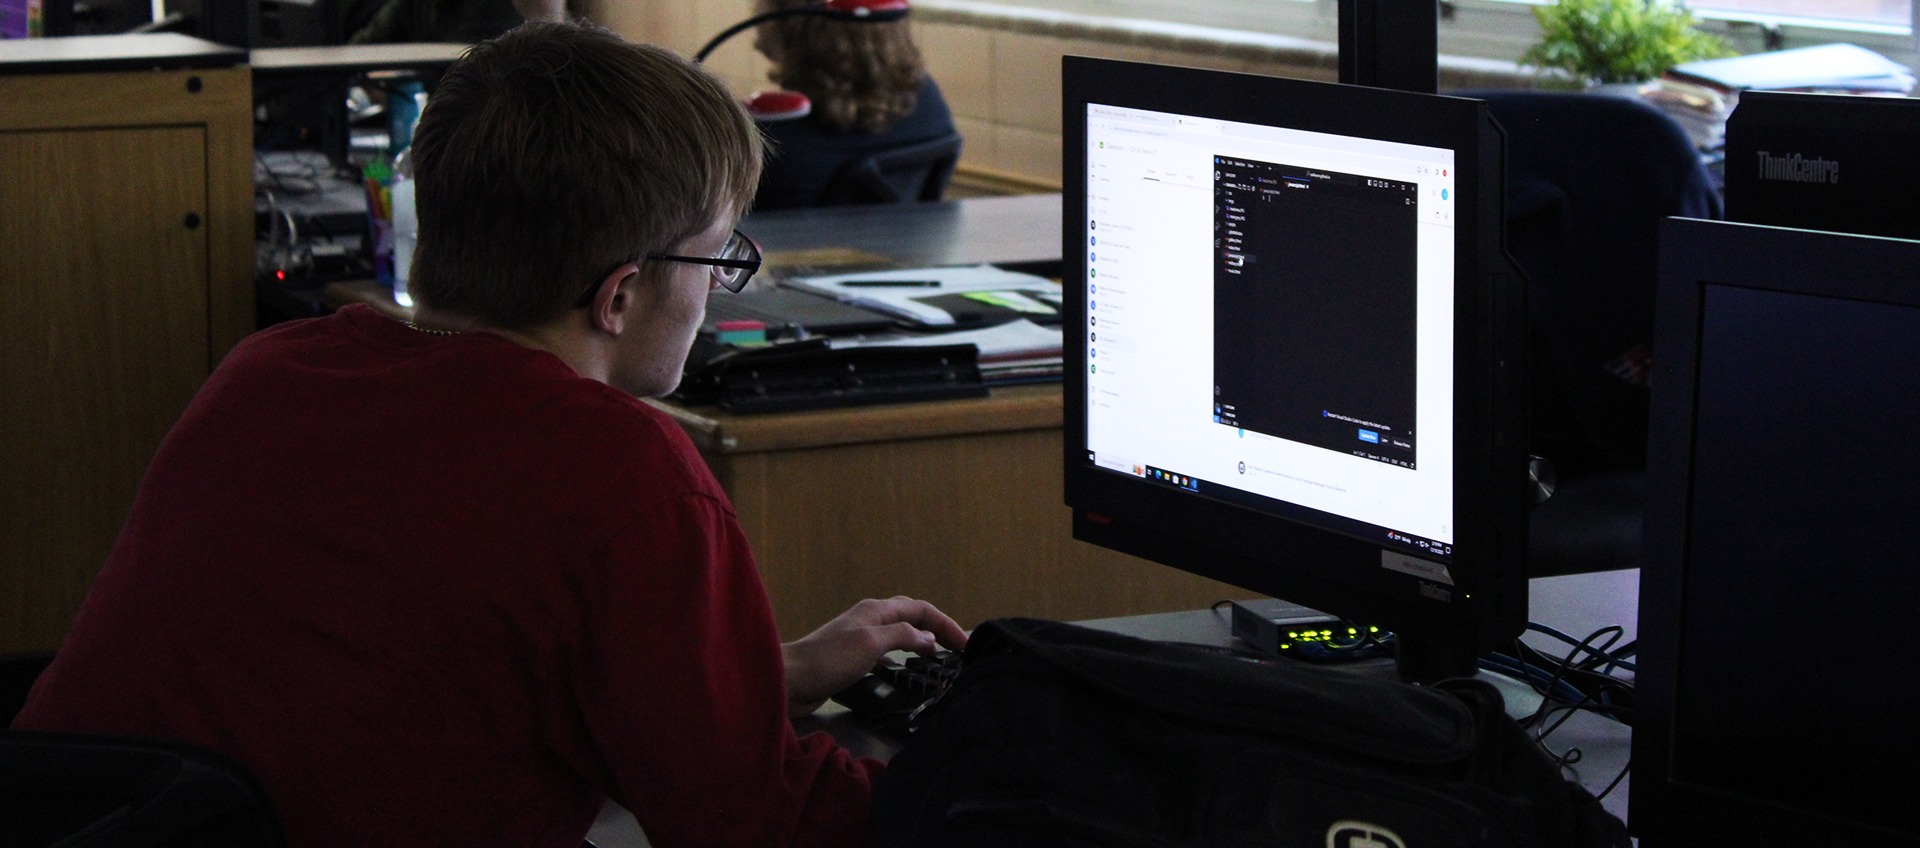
{"x": 1589, "y": 178}
{"x": 86, "y": 791}
{"x": 906, "y": 174}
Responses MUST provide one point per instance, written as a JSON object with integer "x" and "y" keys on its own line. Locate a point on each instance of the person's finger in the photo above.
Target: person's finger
{"x": 927, "y": 617}
{"x": 909, "y": 637}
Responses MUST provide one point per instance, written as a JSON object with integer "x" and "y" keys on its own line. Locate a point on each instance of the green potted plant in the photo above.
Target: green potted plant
{"x": 1613, "y": 42}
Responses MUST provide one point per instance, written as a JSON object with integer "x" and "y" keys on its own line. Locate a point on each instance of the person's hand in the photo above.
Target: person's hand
{"x": 842, "y": 650}
{"x": 554, "y": 11}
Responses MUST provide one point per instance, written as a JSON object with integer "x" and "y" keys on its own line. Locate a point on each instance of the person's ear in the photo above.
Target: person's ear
{"x": 613, "y": 299}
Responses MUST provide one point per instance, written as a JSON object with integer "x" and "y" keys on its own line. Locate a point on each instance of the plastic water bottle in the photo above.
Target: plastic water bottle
{"x": 406, "y": 99}
{"x": 406, "y": 226}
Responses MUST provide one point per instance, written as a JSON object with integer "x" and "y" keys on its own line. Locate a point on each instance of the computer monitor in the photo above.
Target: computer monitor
{"x": 1836, "y": 162}
{"x": 23, "y": 19}
{"x": 1774, "y": 695}
{"x": 59, "y": 18}
{"x": 1294, "y": 347}
{"x": 255, "y": 23}
{"x": 35, "y": 18}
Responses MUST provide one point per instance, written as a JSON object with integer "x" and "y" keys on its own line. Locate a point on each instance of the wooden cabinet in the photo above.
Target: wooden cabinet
{"x": 126, "y": 267}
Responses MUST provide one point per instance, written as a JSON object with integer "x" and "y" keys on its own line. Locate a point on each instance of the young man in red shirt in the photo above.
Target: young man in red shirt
{"x": 449, "y": 581}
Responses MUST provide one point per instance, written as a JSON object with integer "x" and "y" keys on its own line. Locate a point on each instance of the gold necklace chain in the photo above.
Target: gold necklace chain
{"x": 430, "y": 331}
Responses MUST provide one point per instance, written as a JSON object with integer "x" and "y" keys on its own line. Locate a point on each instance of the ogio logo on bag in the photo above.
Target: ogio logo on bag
{"x": 1353, "y": 834}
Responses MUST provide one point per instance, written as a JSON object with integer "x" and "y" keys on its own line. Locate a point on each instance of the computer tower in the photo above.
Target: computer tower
{"x": 1835, "y": 162}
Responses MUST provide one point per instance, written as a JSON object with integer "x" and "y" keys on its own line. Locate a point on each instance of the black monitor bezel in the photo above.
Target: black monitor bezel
{"x": 1487, "y": 605}
{"x": 1695, "y": 255}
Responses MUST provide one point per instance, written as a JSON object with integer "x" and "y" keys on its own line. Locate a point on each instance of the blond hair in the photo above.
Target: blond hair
{"x": 551, "y": 155}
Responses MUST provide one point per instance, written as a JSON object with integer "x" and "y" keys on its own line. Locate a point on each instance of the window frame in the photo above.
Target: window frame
{"x": 1485, "y": 29}
{"x": 1500, "y": 29}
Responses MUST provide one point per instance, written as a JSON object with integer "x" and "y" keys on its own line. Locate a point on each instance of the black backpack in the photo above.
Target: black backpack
{"x": 1059, "y": 735}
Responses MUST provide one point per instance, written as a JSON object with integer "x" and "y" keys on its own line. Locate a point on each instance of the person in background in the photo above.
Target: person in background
{"x": 869, "y": 89}
{"x": 448, "y": 580}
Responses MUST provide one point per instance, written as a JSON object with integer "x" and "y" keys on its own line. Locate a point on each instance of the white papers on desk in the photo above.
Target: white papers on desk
{"x": 1825, "y": 67}
{"x": 1701, "y": 95}
{"x": 909, "y": 301}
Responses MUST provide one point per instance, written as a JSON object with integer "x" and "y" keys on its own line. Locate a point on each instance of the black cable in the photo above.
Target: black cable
{"x": 1613, "y": 695}
{"x": 1533, "y": 675}
{"x": 1603, "y": 655}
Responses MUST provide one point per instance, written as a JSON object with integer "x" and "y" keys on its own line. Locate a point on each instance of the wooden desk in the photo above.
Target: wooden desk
{"x": 126, "y": 257}
{"x": 955, "y": 501}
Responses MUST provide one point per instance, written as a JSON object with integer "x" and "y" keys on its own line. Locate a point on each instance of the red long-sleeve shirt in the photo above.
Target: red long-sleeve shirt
{"x": 443, "y": 590}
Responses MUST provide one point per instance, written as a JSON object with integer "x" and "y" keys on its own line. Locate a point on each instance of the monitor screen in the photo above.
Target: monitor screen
{"x": 1293, "y": 349}
{"x": 1776, "y": 630}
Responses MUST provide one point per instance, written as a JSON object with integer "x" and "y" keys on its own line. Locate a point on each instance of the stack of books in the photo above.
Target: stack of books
{"x": 1700, "y": 95}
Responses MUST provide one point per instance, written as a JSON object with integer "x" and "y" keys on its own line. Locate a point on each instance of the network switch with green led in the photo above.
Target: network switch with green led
{"x": 1284, "y": 629}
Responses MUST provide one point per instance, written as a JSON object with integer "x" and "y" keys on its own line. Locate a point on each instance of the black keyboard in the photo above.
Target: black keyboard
{"x": 889, "y": 695}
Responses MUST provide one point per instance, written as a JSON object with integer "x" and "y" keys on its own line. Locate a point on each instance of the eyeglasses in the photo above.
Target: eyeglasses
{"x": 733, "y": 266}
